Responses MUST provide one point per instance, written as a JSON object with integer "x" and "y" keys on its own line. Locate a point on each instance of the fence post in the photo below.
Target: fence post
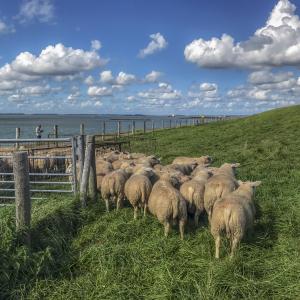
{"x": 92, "y": 175}
{"x": 133, "y": 128}
{"x": 74, "y": 164}
{"x": 162, "y": 124}
{"x": 86, "y": 172}
{"x": 55, "y": 130}
{"x": 119, "y": 129}
{"x": 144, "y": 126}
{"x": 82, "y": 129}
{"x": 80, "y": 153}
{"x": 103, "y": 130}
{"x": 18, "y": 131}
{"x": 22, "y": 194}
{"x": 153, "y": 126}
{"x": 170, "y": 123}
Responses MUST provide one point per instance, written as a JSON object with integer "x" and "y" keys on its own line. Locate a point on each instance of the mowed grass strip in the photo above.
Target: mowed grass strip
{"x": 93, "y": 255}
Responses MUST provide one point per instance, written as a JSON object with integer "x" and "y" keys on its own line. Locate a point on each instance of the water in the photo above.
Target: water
{"x": 69, "y": 125}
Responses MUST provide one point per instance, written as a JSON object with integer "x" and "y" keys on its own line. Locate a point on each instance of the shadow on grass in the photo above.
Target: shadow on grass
{"x": 51, "y": 255}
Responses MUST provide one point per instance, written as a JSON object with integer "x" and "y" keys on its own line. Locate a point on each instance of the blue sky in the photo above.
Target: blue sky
{"x": 219, "y": 57}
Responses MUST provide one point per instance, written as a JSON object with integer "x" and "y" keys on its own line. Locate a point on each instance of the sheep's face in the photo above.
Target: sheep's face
{"x": 234, "y": 168}
{"x": 153, "y": 160}
{"x": 207, "y": 159}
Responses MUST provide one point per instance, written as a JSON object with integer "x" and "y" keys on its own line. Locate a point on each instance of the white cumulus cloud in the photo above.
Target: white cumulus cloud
{"x": 36, "y": 10}
{"x": 99, "y": 91}
{"x": 125, "y": 78}
{"x": 157, "y": 43}
{"x": 57, "y": 60}
{"x": 106, "y": 77}
{"x": 153, "y": 76}
{"x": 275, "y": 44}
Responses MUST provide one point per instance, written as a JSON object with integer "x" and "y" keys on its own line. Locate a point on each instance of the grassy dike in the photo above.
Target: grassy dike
{"x": 93, "y": 255}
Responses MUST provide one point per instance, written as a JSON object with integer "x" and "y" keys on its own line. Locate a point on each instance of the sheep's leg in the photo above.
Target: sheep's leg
{"x": 217, "y": 243}
{"x": 119, "y": 202}
{"x": 107, "y": 204}
{"x": 235, "y": 242}
{"x": 135, "y": 212}
{"x": 196, "y": 217}
{"x": 145, "y": 210}
{"x": 167, "y": 228}
{"x": 181, "y": 228}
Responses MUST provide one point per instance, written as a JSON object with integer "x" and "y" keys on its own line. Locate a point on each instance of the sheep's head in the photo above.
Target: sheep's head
{"x": 249, "y": 185}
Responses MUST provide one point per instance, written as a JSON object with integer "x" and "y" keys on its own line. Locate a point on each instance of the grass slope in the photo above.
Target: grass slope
{"x": 93, "y": 255}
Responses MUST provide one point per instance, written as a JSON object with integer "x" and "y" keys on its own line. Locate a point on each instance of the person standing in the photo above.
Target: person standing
{"x": 39, "y": 131}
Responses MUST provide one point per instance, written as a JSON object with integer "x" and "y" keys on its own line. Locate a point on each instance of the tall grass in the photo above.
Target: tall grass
{"x": 94, "y": 255}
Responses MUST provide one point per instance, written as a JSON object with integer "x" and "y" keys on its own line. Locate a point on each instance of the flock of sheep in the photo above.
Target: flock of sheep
{"x": 187, "y": 187}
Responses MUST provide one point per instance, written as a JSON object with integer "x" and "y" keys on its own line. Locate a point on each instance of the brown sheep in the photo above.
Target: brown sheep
{"x": 137, "y": 191}
{"x": 193, "y": 192}
{"x": 202, "y": 160}
{"x": 234, "y": 215}
{"x": 112, "y": 187}
{"x": 167, "y": 204}
{"x": 219, "y": 185}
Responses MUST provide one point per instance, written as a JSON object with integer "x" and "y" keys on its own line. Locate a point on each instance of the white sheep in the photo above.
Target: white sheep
{"x": 167, "y": 204}
{"x": 219, "y": 185}
{"x": 234, "y": 215}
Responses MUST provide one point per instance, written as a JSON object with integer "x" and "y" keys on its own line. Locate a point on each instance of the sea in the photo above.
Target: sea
{"x": 69, "y": 125}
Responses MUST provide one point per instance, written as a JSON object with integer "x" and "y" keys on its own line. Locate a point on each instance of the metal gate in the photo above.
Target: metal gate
{"x": 49, "y": 171}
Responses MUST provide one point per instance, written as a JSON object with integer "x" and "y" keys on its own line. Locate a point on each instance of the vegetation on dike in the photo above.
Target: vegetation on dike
{"x": 89, "y": 254}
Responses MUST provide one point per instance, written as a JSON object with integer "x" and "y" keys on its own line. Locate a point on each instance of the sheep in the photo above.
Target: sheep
{"x": 219, "y": 185}
{"x": 234, "y": 215}
{"x": 167, "y": 204}
{"x": 123, "y": 164}
{"x": 149, "y": 161}
{"x": 193, "y": 192}
{"x": 112, "y": 187}
{"x": 137, "y": 191}
{"x": 103, "y": 166}
{"x": 202, "y": 160}
{"x": 199, "y": 169}
{"x": 185, "y": 169}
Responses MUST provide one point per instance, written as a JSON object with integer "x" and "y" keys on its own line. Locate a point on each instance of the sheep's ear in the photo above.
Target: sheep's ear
{"x": 236, "y": 165}
{"x": 240, "y": 182}
{"x": 256, "y": 183}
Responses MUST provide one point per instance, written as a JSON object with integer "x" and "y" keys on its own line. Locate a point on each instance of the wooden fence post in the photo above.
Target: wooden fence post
{"x": 162, "y": 124}
{"x": 18, "y": 131}
{"x": 92, "y": 176}
{"x": 86, "y": 171}
{"x": 103, "y": 130}
{"x": 170, "y": 123}
{"x": 55, "y": 131}
{"x": 22, "y": 194}
{"x": 80, "y": 154}
{"x": 82, "y": 129}
{"x": 144, "y": 126}
{"x": 153, "y": 126}
{"x": 119, "y": 129}
{"x": 133, "y": 128}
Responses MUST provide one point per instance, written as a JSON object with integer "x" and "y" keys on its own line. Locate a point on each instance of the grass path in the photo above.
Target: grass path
{"x": 93, "y": 255}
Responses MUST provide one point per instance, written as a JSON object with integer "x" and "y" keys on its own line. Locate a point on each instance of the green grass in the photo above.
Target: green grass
{"x": 93, "y": 255}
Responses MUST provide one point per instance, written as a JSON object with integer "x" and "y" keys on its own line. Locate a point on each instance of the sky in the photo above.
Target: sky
{"x": 149, "y": 57}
